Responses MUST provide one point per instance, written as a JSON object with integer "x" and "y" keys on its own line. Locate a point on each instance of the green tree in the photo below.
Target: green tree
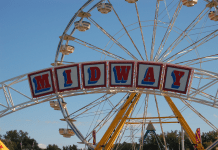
{"x": 208, "y": 138}
{"x": 53, "y": 147}
{"x": 9, "y": 144}
{"x": 70, "y": 147}
{"x": 14, "y": 138}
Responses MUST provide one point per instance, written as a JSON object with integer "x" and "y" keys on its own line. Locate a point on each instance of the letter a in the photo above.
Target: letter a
{"x": 177, "y": 75}
{"x": 41, "y": 83}
{"x": 121, "y": 73}
{"x": 94, "y": 75}
{"x": 149, "y": 77}
{"x": 67, "y": 78}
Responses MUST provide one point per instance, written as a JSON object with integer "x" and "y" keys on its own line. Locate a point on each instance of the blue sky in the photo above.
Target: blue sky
{"x": 29, "y": 35}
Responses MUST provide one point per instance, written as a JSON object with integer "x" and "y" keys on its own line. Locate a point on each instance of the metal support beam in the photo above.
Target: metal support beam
{"x": 115, "y": 122}
{"x": 151, "y": 122}
{"x": 152, "y": 117}
{"x": 122, "y": 122}
{"x": 183, "y": 122}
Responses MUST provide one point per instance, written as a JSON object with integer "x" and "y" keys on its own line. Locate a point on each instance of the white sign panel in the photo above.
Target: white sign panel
{"x": 176, "y": 78}
{"x": 67, "y": 78}
{"x": 121, "y": 73}
{"x": 148, "y": 75}
{"x": 94, "y": 75}
{"x": 41, "y": 83}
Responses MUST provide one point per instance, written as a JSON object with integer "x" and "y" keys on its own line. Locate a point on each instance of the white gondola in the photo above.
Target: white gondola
{"x": 189, "y": 3}
{"x": 104, "y": 8}
{"x": 55, "y": 105}
{"x": 131, "y": 1}
{"x": 82, "y": 25}
{"x": 213, "y": 15}
{"x": 66, "y": 49}
{"x": 66, "y": 132}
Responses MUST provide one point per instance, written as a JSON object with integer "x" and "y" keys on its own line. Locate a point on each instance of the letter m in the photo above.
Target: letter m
{"x": 41, "y": 83}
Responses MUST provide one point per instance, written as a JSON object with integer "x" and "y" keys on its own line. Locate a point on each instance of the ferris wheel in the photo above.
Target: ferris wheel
{"x": 117, "y": 61}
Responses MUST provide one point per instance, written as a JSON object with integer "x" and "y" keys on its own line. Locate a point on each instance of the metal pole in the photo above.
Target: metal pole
{"x": 182, "y": 138}
{"x": 179, "y": 142}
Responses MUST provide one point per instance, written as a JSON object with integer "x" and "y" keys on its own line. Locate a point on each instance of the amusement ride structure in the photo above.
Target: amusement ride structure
{"x": 117, "y": 64}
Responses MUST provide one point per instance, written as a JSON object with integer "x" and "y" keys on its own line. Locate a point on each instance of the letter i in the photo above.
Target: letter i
{"x": 67, "y": 78}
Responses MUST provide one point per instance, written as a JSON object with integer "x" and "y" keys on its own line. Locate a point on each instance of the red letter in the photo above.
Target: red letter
{"x": 149, "y": 75}
{"x": 177, "y": 75}
{"x": 42, "y": 82}
{"x": 67, "y": 76}
{"x": 94, "y": 75}
{"x": 121, "y": 73}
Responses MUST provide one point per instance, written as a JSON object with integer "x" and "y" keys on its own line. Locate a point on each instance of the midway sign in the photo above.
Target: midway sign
{"x": 138, "y": 74}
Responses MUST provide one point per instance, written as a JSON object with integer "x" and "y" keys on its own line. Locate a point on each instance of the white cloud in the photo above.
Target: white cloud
{"x": 79, "y": 123}
{"x": 52, "y": 122}
{"x": 215, "y": 115}
{"x": 42, "y": 145}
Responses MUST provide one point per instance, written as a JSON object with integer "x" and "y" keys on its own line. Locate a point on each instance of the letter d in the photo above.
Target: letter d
{"x": 94, "y": 75}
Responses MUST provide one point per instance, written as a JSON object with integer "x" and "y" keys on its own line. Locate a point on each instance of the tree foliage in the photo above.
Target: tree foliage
{"x": 74, "y": 147}
{"x": 53, "y": 147}
{"x": 173, "y": 141}
{"x": 12, "y": 139}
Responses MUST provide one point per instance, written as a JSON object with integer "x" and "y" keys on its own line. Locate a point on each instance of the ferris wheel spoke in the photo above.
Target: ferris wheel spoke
{"x": 160, "y": 122}
{"x": 206, "y": 95}
{"x": 113, "y": 39}
{"x": 202, "y": 88}
{"x": 91, "y": 105}
{"x": 143, "y": 39}
{"x": 183, "y": 35}
{"x": 107, "y": 117}
{"x": 200, "y": 101}
{"x": 192, "y": 61}
{"x": 196, "y": 44}
{"x": 144, "y": 121}
{"x": 154, "y": 29}
{"x": 97, "y": 115}
{"x": 95, "y": 48}
{"x": 201, "y": 116}
{"x": 127, "y": 32}
{"x": 212, "y": 59}
{"x": 166, "y": 9}
{"x": 168, "y": 31}
{"x": 208, "y": 74}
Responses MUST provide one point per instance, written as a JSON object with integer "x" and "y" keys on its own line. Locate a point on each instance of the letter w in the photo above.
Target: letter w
{"x": 121, "y": 73}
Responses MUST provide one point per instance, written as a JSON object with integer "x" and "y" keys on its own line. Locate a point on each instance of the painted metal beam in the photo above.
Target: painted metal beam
{"x": 115, "y": 122}
{"x": 152, "y": 122}
{"x": 183, "y": 123}
{"x": 121, "y": 123}
{"x": 153, "y": 117}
